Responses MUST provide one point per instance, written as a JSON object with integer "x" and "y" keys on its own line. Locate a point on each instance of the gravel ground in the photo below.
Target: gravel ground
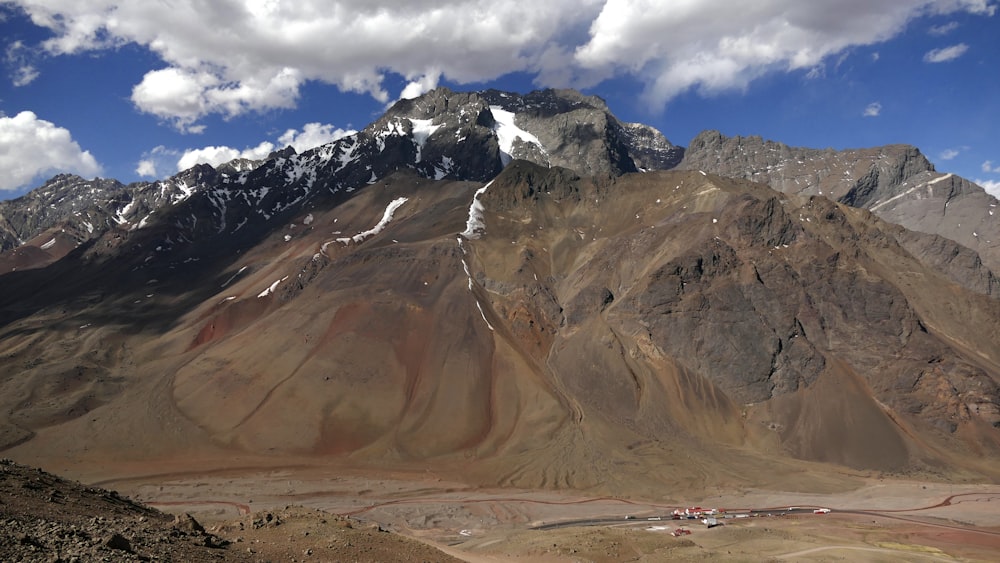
{"x": 48, "y": 519}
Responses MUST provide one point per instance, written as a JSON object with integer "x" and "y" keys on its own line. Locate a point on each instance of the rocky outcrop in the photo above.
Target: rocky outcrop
{"x": 46, "y": 518}
{"x": 856, "y": 177}
{"x": 959, "y": 263}
{"x": 896, "y": 182}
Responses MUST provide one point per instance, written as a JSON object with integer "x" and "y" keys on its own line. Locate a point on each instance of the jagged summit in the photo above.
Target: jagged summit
{"x": 607, "y": 146}
{"x": 549, "y": 127}
{"x": 853, "y": 176}
{"x": 442, "y": 134}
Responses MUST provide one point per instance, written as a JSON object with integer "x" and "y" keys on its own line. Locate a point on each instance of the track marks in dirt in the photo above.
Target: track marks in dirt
{"x": 494, "y": 500}
{"x": 242, "y": 508}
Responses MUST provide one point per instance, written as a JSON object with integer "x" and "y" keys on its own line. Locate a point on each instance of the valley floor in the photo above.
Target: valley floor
{"x": 881, "y": 520}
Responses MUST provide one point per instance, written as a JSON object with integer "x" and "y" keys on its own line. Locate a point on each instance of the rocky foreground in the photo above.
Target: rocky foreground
{"x": 47, "y": 518}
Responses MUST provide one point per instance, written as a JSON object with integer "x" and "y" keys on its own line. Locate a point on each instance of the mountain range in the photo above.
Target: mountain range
{"x": 521, "y": 290}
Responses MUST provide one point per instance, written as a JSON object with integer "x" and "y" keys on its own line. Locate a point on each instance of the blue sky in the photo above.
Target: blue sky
{"x": 136, "y": 90}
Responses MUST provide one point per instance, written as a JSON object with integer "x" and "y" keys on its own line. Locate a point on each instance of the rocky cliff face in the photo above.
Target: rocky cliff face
{"x": 855, "y": 177}
{"x": 895, "y": 182}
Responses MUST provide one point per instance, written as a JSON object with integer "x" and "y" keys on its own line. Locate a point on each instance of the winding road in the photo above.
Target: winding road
{"x": 782, "y": 511}
{"x": 900, "y": 514}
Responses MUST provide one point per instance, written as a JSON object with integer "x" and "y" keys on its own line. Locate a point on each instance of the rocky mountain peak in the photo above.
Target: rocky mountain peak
{"x": 850, "y": 176}
{"x": 61, "y": 198}
{"x": 549, "y": 127}
{"x": 546, "y": 102}
{"x": 437, "y": 103}
{"x": 579, "y": 132}
{"x": 896, "y": 182}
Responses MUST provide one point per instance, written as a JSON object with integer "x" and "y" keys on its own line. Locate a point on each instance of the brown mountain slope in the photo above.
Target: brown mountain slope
{"x": 663, "y": 328}
{"x": 761, "y": 298}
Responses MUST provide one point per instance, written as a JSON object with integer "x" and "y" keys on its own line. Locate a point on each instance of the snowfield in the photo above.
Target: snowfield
{"x": 475, "y": 225}
{"x": 386, "y": 218}
{"x": 507, "y": 132}
{"x": 422, "y": 129}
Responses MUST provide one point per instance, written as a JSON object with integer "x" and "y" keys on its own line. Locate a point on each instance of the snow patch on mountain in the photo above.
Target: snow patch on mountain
{"x": 122, "y": 215}
{"x": 422, "y": 129}
{"x": 475, "y": 225}
{"x": 480, "y": 307}
{"x": 507, "y": 132}
{"x": 390, "y": 210}
{"x": 297, "y": 169}
{"x": 271, "y": 288}
{"x": 468, "y": 274}
{"x": 186, "y": 192}
{"x": 234, "y": 276}
{"x": 936, "y": 180}
{"x": 927, "y": 185}
{"x": 142, "y": 222}
{"x": 446, "y": 166}
{"x": 465, "y": 263}
{"x": 218, "y": 199}
{"x": 348, "y": 155}
{"x": 393, "y": 128}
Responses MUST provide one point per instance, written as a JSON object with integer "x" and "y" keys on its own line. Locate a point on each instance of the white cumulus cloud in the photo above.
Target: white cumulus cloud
{"x": 945, "y": 54}
{"x": 155, "y": 161}
{"x": 215, "y": 156}
{"x": 31, "y": 147}
{"x": 873, "y": 109}
{"x": 949, "y": 154}
{"x": 175, "y": 95}
{"x": 162, "y": 160}
{"x": 419, "y": 86}
{"x": 146, "y": 168}
{"x": 992, "y": 187}
{"x": 716, "y": 45}
{"x": 312, "y": 135}
{"x": 231, "y": 57}
{"x": 989, "y": 167}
